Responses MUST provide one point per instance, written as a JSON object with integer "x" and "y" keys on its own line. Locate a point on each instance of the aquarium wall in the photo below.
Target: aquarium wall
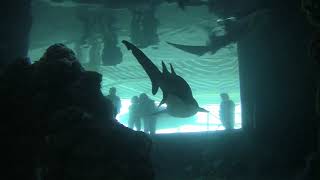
{"x": 208, "y": 75}
{"x": 276, "y": 105}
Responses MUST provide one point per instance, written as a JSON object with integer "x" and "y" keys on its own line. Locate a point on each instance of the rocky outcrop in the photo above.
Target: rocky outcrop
{"x": 58, "y": 124}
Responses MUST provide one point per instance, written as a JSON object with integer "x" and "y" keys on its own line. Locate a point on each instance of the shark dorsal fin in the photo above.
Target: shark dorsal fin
{"x": 172, "y": 70}
{"x": 164, "y": 68}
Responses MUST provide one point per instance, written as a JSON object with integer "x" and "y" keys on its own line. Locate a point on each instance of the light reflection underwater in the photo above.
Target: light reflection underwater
{"x": 201, "y": 122}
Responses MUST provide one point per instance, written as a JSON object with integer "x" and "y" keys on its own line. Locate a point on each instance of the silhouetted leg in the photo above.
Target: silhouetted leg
{"x": 224, "y": 124}
{"x": 153, "y": 122}
{"x": 232, "y": 123}
{"x": 146, "y": 125}
{"x": 94, "y": 54}
{"x": 114, "y": 115}
{"x": 138, "y": 124}
{"x": 130, "y": 123}
{"x": 228, "y": 124}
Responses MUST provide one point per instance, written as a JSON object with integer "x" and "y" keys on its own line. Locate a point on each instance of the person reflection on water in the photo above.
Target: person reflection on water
{"x": 143, "y": 28}
{"x": 227, "y": 108}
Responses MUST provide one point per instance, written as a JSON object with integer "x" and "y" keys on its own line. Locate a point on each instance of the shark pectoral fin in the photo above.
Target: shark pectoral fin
{"x": 162, "y": 102}
{"x": 151, "y": 69}
{"x": 155, "y": 88}
{"x": 203, "y": 110}
{"x": 164, "y": 99}
{"x": 197, "y": 50}
{"x": 172, "y": 70}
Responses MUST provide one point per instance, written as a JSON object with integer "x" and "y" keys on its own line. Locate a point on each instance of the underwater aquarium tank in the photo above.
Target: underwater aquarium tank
{"x": 89, "y": 29}
{"x": 160, "y": 89}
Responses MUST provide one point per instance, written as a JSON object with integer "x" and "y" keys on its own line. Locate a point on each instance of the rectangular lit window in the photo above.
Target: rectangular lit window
{"x": 208, "y": 75}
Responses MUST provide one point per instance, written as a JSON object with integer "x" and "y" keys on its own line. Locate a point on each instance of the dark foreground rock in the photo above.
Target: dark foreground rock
{"x": 56, "y": 124}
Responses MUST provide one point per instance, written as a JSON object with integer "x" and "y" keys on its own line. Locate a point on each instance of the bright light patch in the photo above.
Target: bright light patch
{"x": 125, "y": 104}
{"x": 167, "y": 131}
{"x": 201, "y": 122}
{"x": 213, "y": 118}
{"x": 191, "y": 128}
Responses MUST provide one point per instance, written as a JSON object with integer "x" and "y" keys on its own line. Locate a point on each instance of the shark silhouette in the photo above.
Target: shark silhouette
{"x": 235, "y": 30}
{"x": 215, "y": 43}
{"x": 176, "y": 91}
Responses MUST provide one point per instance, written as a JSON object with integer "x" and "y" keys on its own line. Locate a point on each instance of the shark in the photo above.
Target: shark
{"x": 235, "y": 30}
{"x": 177, "y": 94}
{"x": 215, "y": 44}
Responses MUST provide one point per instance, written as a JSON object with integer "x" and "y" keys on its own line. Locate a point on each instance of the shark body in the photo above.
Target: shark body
{"x": 176, "y": 91}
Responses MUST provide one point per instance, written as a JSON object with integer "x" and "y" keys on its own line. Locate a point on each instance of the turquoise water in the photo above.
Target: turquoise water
{"x": 197, "y": 123}
{"x": 208, "y": 75}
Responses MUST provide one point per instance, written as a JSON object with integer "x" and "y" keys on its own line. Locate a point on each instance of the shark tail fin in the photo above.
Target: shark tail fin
{"x": 203, "y": 110}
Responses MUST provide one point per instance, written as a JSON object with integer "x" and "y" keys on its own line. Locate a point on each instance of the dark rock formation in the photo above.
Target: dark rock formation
{"x": 58, "y": 125}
